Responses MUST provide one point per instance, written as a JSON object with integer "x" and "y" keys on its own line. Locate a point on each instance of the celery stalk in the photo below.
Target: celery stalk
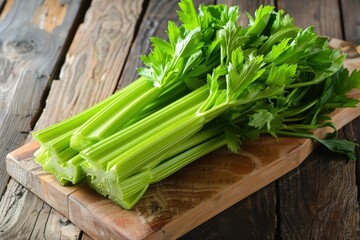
{"x": 69, "y": 169}
{"x": 117, "y": 115}
{"x": 114, "y": 116}
{"x": 112, "y": 144}
{"x": 127, "y": 192}
{"x": 58, "y": 129}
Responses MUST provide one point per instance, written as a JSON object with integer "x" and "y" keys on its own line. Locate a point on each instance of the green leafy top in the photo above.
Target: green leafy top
{"x": 270, "y": 77}
{"x": 262, "y": 17}
{"x": 188, "y": 15}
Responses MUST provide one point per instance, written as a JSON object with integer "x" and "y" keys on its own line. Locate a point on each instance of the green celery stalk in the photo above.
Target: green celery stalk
{"x": 58, "y": 129}
{"x": 99, "y": 155}
{"x": 161, "y": 78}
{"x": 69, "y": 168}
{"x": 126, "y": 193}
{"x": 96, "y": 170}
{"x": 154, "y": 146}
{"x": 110, "y": 147}
{"x": 174, "y": 164}
{"x": 114, "y": 116}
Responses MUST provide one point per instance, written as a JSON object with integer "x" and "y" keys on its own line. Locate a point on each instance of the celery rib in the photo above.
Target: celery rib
{"x": 57, "y": 129}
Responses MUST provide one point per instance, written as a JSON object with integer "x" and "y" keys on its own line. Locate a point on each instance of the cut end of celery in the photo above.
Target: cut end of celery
{"x": 62, "y": 180}
{"x": 95, "y": 178}
{"x": 54, "y": 169}
{"x": 73, "y": 171}
{"x": 41, "y": 156}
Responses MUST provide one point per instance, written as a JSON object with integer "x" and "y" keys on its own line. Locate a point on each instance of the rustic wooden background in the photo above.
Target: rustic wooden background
{"x": 46, "y": 44}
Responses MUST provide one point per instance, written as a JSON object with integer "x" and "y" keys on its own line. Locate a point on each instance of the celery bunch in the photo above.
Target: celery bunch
{"x": 213, "y": 83}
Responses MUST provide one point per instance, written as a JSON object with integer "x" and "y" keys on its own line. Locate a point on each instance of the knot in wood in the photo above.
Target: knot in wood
{"x": 26, "y": 42}
{"x": 22, "y": 47}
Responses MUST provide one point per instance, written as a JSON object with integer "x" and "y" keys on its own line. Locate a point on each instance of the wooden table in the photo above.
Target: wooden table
{"x": 54, "y": 53}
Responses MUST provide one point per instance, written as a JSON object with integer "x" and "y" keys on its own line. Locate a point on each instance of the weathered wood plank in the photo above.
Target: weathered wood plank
{"x": 18, "y": 212}
{"x": 94, "y": 61}
{"x": 351, "y": 23}
{"x": 157, "y": 15}
{"x": 37, "y": 232}
{"x": 29, "y": 52}
{"x": 251, "y": 218}
{"x": 52, "y": 225}
{"x": 351, "y": 20}
{"x": 59, "y": 227}
{"x": 324, "y": 15}
{"x": 106, "y": 31}
{"x": 354, "y": 129}
{"x": 318, "y": 200}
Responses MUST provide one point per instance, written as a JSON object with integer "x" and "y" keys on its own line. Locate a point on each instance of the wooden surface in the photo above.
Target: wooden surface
{"x": 24, "y": 216}
{"x": 30, "y": 51}
{"x": 34, "y": 37}
{"x": 109, "y": 29}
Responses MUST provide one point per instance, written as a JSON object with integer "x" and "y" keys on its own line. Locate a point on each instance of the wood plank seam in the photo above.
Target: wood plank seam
{"x": 2, "y": 5}
{"x": 79, "y": 19}
{"x": 144, "y": 8}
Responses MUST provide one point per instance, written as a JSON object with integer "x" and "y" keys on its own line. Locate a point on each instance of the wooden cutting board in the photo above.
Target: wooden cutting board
{"x": 188, "y": 198}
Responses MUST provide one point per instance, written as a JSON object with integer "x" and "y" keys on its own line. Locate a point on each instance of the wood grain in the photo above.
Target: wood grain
{"x": 99, "y": 48}
{"x": 319, "y": 199}
{"x": 245, "y": 219}
{"x": 324, "y": 15}
{"x": 354, "y": 129}
{"x": 60, "y": 227}
{"x": 37, "y": 232}
{"x": 351, "y": 20}
{"x": 19, "y": 210}
{"x": 28, "y": 57}
{"x": 85, "y": 237}
{"x": 2, "y": 3}
{"x": 94, "y": 61}
{"x": 51, "y": 225}
{"x": 184, "y": 199}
